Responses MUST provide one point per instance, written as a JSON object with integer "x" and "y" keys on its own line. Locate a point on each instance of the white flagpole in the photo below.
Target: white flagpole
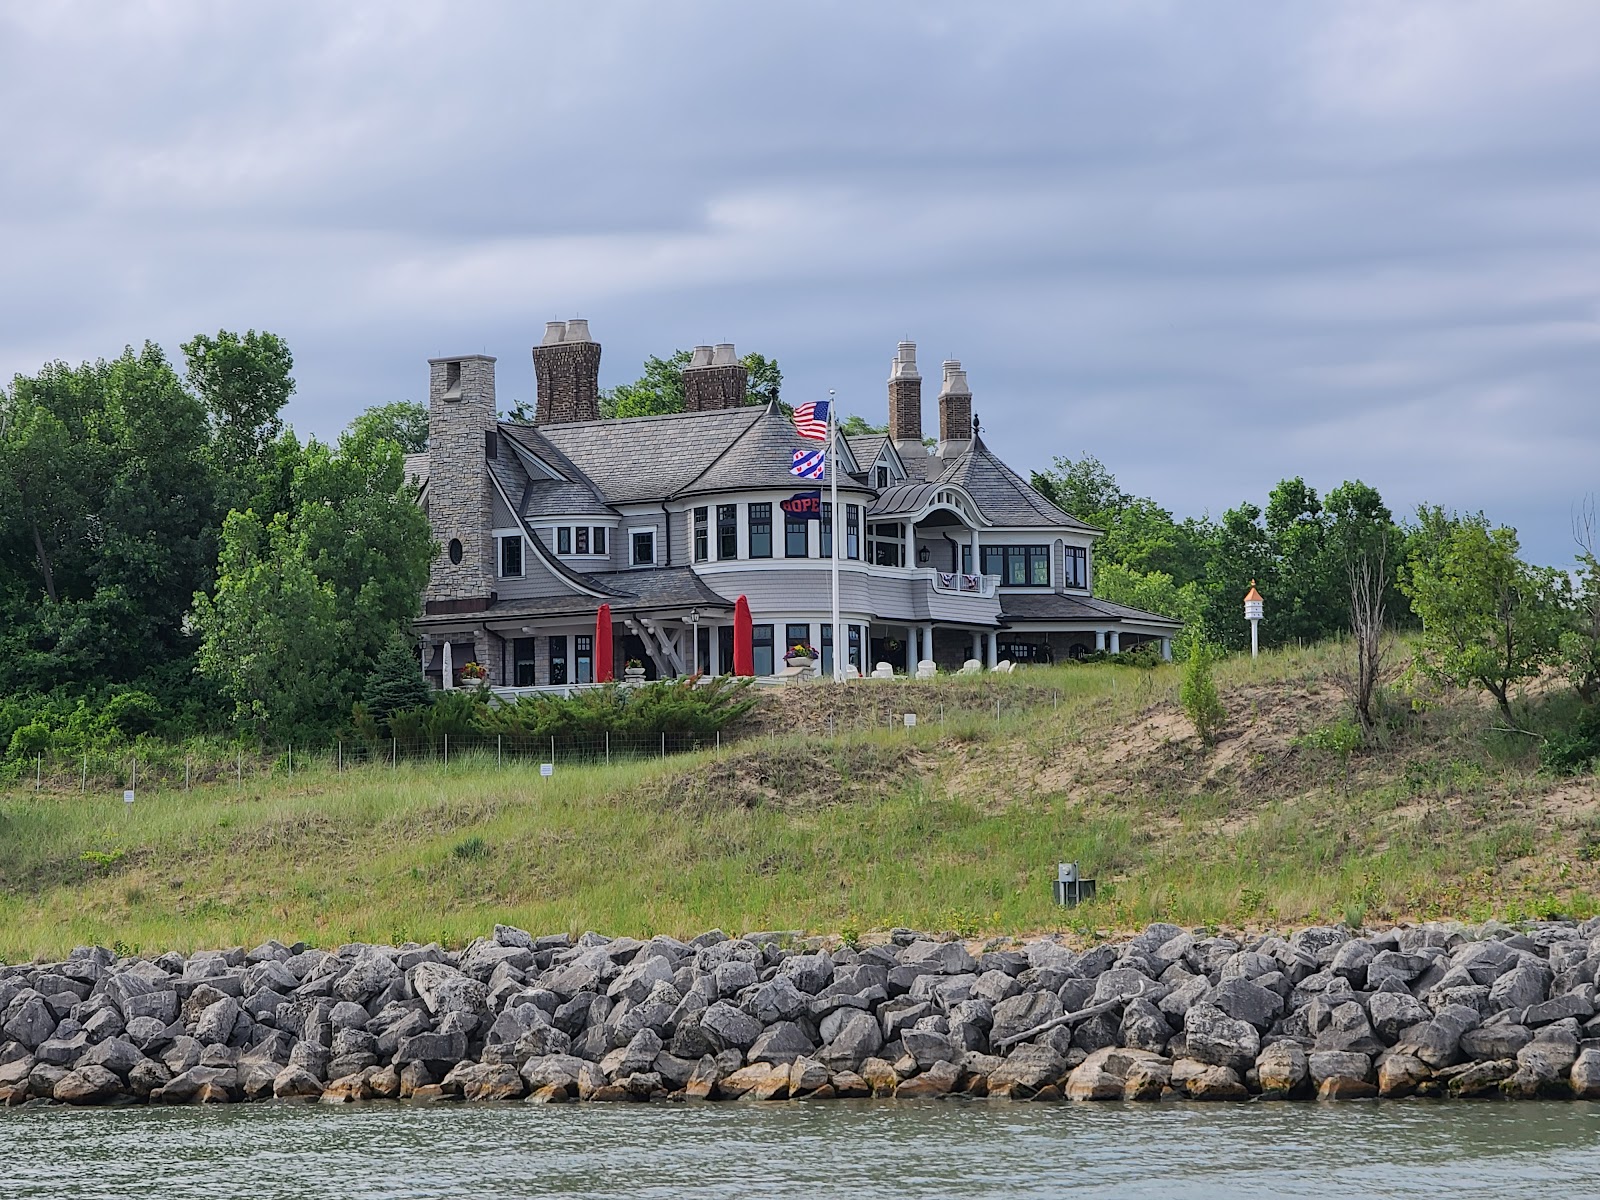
{"x": 840, "y": 649}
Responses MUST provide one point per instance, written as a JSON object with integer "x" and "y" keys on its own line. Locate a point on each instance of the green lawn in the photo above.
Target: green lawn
{"x": 955, "y": 824}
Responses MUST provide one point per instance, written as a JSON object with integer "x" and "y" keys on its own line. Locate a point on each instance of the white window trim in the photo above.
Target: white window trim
{"x": 655, "y": 544}
{"x": 499, "y": 555}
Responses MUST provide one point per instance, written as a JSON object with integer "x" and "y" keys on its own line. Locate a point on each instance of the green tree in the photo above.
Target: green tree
{"x": 404, "y": 422}
{"x": 1152, "y": 591}
{"x": 1580, "y": 639}
{"x": 660, "y": 388}
{"x": 107, "y": 514}
{"x": 1488, "y": 619}
{"x": 395, "y": 683}
{"x": 1083, "y": 487}
{"x": 271, "y": 632}
{"x": 357, "y": 526}
{"x": 244, "y": 382}
{"x": 854, "y": 426}
{"x": 1198, "y": 691}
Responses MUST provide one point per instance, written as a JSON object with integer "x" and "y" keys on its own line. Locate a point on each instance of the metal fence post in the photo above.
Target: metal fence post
{"x": 499, "y": 750}
{"x": 291, "y": 760}
{"x": 608, "y": 747}
{"x": 38, "y": 771}
{"x": 394, "y": 753}
{"x": 447, "y": 749}
{"x": 340, "y": 768}
{"x": 186, "y": 772}
{"x": 552, "y": 751}
{"x": 663, "y": 743}
{"x": 241, "y": 766}
{"x": 83, "y": 786}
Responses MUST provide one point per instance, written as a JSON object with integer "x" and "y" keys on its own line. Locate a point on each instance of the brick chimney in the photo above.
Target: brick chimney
{"x": 714, "y": 378}
{"x": 955, "y": 411}
{"x": 461, "y": 423}
{"x": 566, "y": 371}
{"x": 905, "y": 400}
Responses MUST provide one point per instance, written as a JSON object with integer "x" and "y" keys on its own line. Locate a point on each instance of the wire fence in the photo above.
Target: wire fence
{"x": 157, "y": 766}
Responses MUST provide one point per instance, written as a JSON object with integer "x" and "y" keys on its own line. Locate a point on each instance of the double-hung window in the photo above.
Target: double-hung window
{"x": 761, "y": 646}
{"x": 564, "y": 539}
{"x": 761, "y": 535}
{"x": 795, "y": 536}
{"x": 727, "y": 532}
{"x": 582, "y": 543}
{"x": 1077, "y": 567}
{"x": 852, "y": 531}
{"x": 511, "y": 556}
{"x": 644, "y": 547}
{"x": 702, "y": 536}
{"x": 827, "y": 530}
{"x": 599, "y": 546}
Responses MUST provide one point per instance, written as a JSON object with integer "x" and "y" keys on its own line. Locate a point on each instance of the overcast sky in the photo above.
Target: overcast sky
{"x": 1213, "y": 244}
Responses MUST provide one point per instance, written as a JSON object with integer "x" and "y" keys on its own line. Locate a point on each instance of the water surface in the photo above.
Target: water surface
{"x": 860, "y": 1150}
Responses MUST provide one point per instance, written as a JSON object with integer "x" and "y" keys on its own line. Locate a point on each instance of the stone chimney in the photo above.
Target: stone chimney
{"x": 566, "y": 371}
{"x": 461, "y": 427}
{"x": 905, "y": 400}
{"x": 714, "y": 378}
{"x": 955, "y": 411}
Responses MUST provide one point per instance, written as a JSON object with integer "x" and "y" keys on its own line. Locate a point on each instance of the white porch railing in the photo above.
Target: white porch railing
{"x": 958, "y": 583}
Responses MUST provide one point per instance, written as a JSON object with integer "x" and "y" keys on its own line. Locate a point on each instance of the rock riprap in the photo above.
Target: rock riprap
{"x": 1328, "y": 1013}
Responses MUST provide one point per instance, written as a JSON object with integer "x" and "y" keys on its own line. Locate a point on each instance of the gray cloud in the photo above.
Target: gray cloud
{"x": 1214, "y": 245}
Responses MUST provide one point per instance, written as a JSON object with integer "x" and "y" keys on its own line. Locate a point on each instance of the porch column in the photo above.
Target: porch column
{"x": 927, "y": 642}
{"x": 977, "y": 562}
{"x": 1099, "y": 640}
{"x": 977, "y": 645}
{"x": 911, "y": 649}
{"x": 1166, "y": 649}
{"x": 993, "y": 655}
{"x": 1116, "y": 641}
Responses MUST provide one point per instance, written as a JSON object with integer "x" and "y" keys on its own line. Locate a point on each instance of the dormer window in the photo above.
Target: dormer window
{"x": 883, "y": 477}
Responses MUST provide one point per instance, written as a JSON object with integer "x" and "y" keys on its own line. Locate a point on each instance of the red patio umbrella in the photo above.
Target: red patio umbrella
{"x": 604, "y": 669}
{"x": 744, "y": 653}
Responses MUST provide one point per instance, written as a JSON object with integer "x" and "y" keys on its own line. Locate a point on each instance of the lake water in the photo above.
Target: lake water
{"x": 857, "y": 1150}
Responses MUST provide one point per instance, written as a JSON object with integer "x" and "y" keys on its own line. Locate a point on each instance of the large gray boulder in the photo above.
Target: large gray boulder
{"x": 779, "y": 1000}
{"x": 1024, "y": 1012}
{"x": 216, "y": 1022}
{"x": 1391, "y": 1013}
{"x": 781, "y": 1043}
{"x": 432, "y": 1048}
{"x": 1211, "y": 1036}
{"x": 811, "y": 973}
{"x": 28, "y": 1020}
{"x": 1244, "y": 1000}
{"x": 729, "y": 1027}
{"x": 851, "y": 1037}
{"x": 87, "y": 1085}
{"x": 1438, "y": 1043}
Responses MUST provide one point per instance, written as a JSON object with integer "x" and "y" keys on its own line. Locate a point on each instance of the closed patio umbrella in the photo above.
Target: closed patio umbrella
{"x": 744, "y": 654}
{"x": 604, "y": 671}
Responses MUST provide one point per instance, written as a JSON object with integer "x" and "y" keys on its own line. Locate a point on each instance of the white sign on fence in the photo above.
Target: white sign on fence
{"x": 127, "y": 796}
{"x": 547, "y": 769}
{"x": 911, "y": 720}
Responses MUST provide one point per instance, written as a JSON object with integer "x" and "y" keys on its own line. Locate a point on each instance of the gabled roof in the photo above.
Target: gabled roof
{"x": 760, "y": 457}
{"x": 571, "y": 496}
{"x": 632, "y": 459}
{"x": 1004, "y": 496}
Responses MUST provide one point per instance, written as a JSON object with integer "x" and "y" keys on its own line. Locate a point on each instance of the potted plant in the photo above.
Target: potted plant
{"x": 633, "y": 671}
{"x": 474, "y": 675}
{"x": 799, "y": 653}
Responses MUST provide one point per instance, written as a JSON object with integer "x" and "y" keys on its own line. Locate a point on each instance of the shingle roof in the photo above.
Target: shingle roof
{"x": 642, "y": 458}
{"x": 910, "y": 496}
{"x": 574, "y": 495}
{"x": 655, "y": 587}
{"x": 1003, "y": 495}
{"x": 1052, "y": 606}
{"x": 759, "y": 458}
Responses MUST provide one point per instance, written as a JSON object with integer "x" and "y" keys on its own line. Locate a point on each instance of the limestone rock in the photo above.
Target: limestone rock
{"x": 938, "y": 1080}
{"x": 1213, "y": 1037}
{"x": 87, "y": 1085}
{"x": 1282, "y": 1070}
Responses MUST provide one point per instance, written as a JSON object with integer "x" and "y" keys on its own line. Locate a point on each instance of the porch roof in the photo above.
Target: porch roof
{"x": 1053, "y": 606}
{"x": 630, "y": 591}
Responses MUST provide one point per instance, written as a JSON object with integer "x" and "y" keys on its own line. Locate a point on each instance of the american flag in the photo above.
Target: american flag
{"x": 811, "y": 421}
{"x": 808, "y": 464}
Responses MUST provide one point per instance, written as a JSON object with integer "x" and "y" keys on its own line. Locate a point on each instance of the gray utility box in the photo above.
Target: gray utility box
{"x": 1070, "y": 888}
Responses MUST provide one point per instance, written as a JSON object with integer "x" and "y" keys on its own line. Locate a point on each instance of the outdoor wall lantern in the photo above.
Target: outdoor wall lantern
{"x": 924, "y": 554}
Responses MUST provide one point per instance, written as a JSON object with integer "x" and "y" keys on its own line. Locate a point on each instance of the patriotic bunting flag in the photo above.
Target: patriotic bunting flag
{"x": 808, "y": 464}
{"x": 811, "y": 421}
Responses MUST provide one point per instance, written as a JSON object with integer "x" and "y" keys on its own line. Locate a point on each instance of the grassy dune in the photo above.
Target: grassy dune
{"x": 954, "y": 824}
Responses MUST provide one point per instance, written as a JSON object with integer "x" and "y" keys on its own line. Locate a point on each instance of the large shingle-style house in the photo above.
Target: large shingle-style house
{"x": 948, "y": 554}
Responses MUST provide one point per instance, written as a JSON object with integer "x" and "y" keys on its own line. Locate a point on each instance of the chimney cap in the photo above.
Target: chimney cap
{"x": 577, "y": 330}
{"x": 955, "y": 381}
{"x": 701, "y": 357}
{"x": 904, "y": 363}
{"x": 554, "y": 332}
{"x": 723, "y": 355}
